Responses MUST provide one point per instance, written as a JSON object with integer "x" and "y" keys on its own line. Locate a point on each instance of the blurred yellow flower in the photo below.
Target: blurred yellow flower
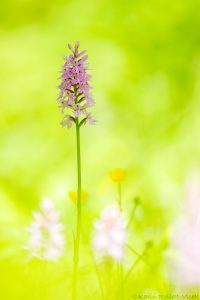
{"x": 117, "y": 175}
{"x": 73, "y": 196}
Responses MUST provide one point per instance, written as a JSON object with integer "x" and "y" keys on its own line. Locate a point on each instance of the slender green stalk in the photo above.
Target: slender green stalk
{"x": 98, "y": 273}
{"x": 78, "y": 220}
{"x": 109, "y": 274}
{"x": 140, "y": 257}
{"x": 121, "y": 269}
{"x": 131, "y": 269}
{"x": 98, "y": 276}
{"x": 136, "y": 203}
{"x": 120, "y": 195}
{"x": 121, "y": 280}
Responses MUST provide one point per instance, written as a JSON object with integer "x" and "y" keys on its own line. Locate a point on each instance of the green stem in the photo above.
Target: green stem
{"x": 136, "y": 202}
{"x": 120, "y": 195}
{"x": 109, "y": 273}
{"x": 132, "y": 215}
{"x": 121, "y": 269}
{"x": 131, "y": 269}
{"x": 139, "y": 258}
{"x": 121, "y": 280}
{"x": 78, "y": 220}
{"x": 98, "y": 276}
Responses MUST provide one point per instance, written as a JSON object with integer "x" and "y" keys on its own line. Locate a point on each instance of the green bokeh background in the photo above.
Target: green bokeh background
{"x": 144, "y": 59}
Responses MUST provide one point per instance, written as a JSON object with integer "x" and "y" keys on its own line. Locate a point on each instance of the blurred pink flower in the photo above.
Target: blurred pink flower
{"x": 46, "y": 239}
{"x": 110, "y": 234}
{"x": 75, "y": 95}
{"x": 185, "y": 264}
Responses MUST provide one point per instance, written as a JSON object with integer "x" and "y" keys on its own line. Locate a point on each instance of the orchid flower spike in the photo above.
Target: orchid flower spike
{"x": 46, "y": 240}
{"x": 110, "y": 234}
{"x": 75, "y": 96}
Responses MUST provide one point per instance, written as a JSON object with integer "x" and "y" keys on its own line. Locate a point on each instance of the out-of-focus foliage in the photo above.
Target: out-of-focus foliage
{"x": 144, "y": 58}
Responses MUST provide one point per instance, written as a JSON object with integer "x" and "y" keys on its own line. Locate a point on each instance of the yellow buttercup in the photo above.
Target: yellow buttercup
{"x": 117, "y": 175}
{"x": 74, "y": 196}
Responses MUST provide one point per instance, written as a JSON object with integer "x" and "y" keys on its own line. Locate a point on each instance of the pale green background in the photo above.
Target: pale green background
{"x": 144, "y": 59}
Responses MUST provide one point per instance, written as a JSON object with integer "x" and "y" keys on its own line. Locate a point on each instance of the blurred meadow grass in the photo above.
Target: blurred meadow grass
{"x": 144, "y": 59}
